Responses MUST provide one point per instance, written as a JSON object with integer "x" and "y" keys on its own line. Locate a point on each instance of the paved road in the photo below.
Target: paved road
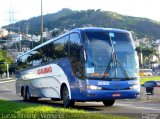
{"x": 8, "y": 90}
{"x": 121, "y": 107}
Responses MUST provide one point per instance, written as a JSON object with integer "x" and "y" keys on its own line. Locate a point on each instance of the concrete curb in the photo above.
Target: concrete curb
{"x": 8, "y": 81}
{"x": 1, "y": 80}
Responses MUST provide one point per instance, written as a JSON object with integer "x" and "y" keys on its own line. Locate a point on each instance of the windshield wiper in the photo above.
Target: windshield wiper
{"x": 114, "y": 60}
{"x": 124, "y": 71}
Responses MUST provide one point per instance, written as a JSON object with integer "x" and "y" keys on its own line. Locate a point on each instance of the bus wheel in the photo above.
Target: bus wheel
{"x": 108, "y": 102}
{"x": 28, "y": 98}
{"x": 24, "y": 95}
{"x": 34, "y": 99}
{"x": 55, "y": 99}
{"x": 65, "y": 96}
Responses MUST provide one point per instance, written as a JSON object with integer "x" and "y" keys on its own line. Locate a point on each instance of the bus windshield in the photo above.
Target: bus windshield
{"x": 102, "y": 48}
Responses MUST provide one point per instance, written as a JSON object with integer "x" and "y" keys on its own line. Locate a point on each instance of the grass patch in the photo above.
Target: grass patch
{"x": 148, "y": 78}
{"x": 19, "y": 110}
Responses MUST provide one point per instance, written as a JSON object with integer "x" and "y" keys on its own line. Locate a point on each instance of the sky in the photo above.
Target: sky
{"x": 25, "y": 9}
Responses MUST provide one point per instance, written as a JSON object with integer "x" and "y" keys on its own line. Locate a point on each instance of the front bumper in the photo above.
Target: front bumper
{"x": 100, "y": 95}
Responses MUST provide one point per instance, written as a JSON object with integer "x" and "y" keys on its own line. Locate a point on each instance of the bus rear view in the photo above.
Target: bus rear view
{"x": 85, "y": 64}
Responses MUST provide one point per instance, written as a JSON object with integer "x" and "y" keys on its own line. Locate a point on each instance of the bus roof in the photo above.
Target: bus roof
{"x": 85, "y": 29}
{"x": 99, "y": 29}
{"x": 145, "y": 69}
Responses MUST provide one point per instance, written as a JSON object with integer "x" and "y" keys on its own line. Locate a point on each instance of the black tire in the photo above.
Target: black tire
{"x": 55, "y": 99}
{"x": 28, "y": 98}
{"x": 22, "y": 91}
{"x": 24, "y": 95}
{"x": 34, "y": 99}
{"x": 108, "y": 102}
{"x": 65, "y": 97}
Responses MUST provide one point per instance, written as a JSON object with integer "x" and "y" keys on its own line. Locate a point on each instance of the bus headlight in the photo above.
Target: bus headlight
{"x": 92, "y": 87}
{"x": 135, "y": 87}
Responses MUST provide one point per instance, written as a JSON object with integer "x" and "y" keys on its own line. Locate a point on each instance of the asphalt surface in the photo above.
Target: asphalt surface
{"x": 131, "y": 108}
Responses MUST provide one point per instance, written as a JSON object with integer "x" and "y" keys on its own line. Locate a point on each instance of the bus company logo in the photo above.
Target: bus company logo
{"x": 44, "y": 70}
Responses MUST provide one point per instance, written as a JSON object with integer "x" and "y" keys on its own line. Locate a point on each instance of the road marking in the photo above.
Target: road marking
{"x": 131, "y": 106}
{"x": 128, "y": 105}
{"x": 6, "y": 81}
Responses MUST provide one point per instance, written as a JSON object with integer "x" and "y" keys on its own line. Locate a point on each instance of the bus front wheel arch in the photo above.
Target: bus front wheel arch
{"x": 67, "y": 102}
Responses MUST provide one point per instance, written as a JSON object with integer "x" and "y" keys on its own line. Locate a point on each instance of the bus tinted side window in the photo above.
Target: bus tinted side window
{"x": 19, "y": 64}
{"x": 75, "y": 49}
{"x": 52, "y": 51}
{"x": 56, "y": 49}
{"x": 49, "y": 52}
{"x": 61, "y": 47}
{"x": 75, "y": 46}
{"x": 35, "y": 57}
{"x": 22, "y": 62}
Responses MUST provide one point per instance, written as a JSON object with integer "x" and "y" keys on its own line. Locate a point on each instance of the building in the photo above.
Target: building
{"x": 47, "y": 35}
{"x": 16, "y": 37}
{"x": 25, "y": 48}
{"x": 36, "y": 38}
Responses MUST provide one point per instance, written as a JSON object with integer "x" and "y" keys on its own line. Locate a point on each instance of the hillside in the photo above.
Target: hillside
{"x": 68, "y": 19}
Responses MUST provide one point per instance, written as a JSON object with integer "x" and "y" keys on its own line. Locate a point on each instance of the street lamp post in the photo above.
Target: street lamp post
{"x": 42, "y": 21}
{"x": 7, "y": 68}
{"x": 19, "y": 38}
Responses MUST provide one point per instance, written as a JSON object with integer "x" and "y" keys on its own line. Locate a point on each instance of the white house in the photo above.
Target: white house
{"x": 36, "y": 38}
{"x": 16, "y": 37}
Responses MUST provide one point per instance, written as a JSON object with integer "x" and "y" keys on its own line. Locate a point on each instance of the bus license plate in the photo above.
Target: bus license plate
{"x": 116, "y": 95}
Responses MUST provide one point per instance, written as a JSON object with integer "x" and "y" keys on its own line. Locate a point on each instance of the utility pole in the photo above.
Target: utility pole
{"x": 19, "y": 30}
{"x": 27, "y": 29}
{"x": 32, "y": 43}
{"x": 42, "y": 21}
{"x": 11, "y": 21}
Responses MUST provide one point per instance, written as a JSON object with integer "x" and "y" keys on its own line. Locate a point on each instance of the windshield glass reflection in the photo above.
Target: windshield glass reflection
{"x": 99, "y": 52}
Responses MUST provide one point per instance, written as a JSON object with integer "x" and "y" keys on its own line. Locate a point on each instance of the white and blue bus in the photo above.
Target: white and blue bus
{"x": 85, "y": 64}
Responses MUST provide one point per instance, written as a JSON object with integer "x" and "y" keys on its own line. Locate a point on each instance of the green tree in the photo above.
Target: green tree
{"x": 147, "y": 53}
{"x": 56, "y": 33}
{"x": 4, "y": 59}
{"x": 139, "y": 49}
